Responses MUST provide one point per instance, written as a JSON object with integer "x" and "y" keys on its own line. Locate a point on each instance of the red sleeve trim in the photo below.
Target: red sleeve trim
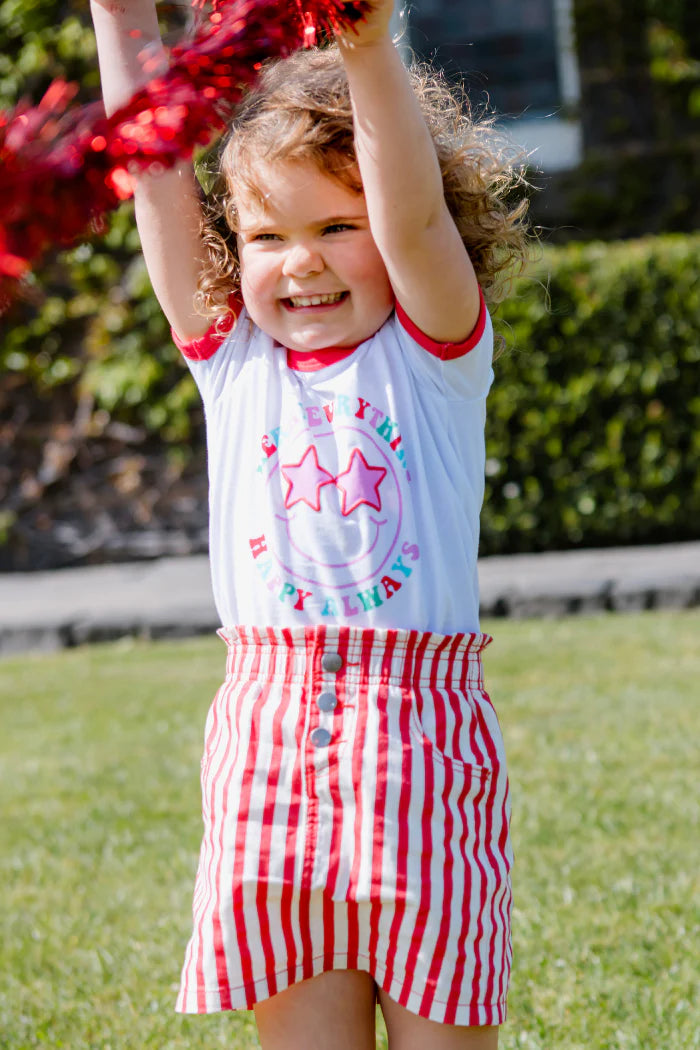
{"x": 205, "y": 347}
{"x": 445, "y": 351}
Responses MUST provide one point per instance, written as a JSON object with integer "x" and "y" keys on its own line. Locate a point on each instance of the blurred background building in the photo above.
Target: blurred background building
{"x": 603, "y": 95}
{"x": 518, "y": 57}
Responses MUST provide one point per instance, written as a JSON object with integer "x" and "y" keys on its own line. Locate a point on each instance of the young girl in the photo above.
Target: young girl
{"x": 331, "y": 309}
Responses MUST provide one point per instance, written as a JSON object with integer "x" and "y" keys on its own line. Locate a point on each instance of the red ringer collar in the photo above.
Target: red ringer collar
{"x": 303, "y": 361}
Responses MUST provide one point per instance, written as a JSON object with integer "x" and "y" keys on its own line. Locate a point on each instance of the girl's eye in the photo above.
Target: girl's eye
{"x": 338, "y": 227}
{"x": 266, "y": 237}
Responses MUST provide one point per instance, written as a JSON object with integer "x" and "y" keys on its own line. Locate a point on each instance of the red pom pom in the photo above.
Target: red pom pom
{"x": 62, "y": 169}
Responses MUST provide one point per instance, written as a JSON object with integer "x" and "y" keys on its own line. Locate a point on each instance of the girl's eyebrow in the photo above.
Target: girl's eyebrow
{"x": 254, "y": 226}
{"x": 263, "y": 223}
{"x": 334, "y": 220}
{"x": 266, "y": 223}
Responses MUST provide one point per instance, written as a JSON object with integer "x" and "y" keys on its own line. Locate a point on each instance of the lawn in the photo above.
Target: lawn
{"x": 99, "y": 782}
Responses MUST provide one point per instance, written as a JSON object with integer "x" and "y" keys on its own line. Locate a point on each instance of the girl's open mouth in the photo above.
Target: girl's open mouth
{"x": 314, "y": 302}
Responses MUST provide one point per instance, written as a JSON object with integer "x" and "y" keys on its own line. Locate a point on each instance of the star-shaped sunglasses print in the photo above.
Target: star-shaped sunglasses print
{"x": 306, "y": 479}
{"x": 358, "y": 483}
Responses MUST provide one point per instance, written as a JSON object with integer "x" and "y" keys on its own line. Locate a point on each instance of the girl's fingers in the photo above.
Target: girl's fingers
{"x": 372, "y": 27}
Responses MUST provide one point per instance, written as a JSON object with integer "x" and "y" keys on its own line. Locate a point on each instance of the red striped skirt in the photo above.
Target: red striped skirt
{"x": 356, "y": 806}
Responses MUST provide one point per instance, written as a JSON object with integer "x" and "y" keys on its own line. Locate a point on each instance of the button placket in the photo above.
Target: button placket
{"x": 321, "y": 737}
{"x": 326, "y": 701}
{"x": 331, "y": 662}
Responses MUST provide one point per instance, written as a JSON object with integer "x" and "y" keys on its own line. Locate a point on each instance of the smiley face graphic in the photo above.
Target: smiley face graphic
{"x": 337, "y": 507}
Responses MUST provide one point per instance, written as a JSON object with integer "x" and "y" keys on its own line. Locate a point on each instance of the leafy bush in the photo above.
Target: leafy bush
{"x": 593, "y": 429}
{"x": 593, "y": 435}
{"x": 98, "y": 332}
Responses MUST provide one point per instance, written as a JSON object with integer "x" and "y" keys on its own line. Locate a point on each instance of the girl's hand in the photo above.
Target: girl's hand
{"x": 370, "y": 29}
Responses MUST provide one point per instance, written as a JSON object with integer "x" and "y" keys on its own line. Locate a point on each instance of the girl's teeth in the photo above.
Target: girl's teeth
{"x": 315, "y": 300}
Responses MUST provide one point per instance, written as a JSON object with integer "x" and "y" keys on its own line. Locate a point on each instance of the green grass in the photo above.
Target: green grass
{"x": 100, "y": 829}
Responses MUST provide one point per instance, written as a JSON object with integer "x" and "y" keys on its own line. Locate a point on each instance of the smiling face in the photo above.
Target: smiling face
{"x": 335, "y": 502}
{"x": 311, "y": 275}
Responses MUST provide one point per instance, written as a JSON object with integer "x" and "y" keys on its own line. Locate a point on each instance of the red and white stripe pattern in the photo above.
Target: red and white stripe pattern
{"x": 380, "y": 844}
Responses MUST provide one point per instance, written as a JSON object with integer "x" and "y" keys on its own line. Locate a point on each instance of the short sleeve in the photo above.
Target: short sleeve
{"x": 462, "y": 371}
{"x": 204, "y": 348}
{"x": 216, "y": 358}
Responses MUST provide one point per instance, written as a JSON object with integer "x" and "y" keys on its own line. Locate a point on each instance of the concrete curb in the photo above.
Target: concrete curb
{"x": 621, "y": 579}
{"x": 171, "y": 597}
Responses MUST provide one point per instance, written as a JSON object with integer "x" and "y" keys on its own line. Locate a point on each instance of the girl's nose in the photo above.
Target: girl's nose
{"x": 302, "y": 260}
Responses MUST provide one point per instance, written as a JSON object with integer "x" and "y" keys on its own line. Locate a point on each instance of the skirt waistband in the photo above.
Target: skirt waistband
{"x": 409, "y": 657}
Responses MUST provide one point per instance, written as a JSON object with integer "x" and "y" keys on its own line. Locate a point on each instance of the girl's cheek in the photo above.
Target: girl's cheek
{"x": 246, "y": 291}
{"x": 248, "y": 281}
{"x": 255, "y": 272}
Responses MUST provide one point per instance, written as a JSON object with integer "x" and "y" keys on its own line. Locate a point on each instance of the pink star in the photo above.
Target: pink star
{"x": 306, "y": 478}
{"x": 361, "y": 484}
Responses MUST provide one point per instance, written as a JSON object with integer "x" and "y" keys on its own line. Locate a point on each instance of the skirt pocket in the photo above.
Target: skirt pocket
{"x": 453, "y": 726}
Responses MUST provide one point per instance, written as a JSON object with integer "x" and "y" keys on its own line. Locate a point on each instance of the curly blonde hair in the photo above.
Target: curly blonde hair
{"x": 300, "y": 110}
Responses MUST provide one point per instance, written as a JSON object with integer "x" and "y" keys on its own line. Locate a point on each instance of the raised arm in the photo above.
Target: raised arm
{"x": 167, "y": 205}
{"x": 428, "y": 266}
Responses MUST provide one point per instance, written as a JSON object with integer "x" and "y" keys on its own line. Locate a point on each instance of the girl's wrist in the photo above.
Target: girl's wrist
{"x": 349, "y": 47}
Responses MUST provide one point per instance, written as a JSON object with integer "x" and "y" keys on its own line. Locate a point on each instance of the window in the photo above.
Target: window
{"x": 506, "y": 49}
{"x": 518, "y": 56}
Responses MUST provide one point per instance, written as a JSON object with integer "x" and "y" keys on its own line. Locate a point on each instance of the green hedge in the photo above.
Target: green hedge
{"x": 95, "y": 333}
{"x": 593, "y": 430}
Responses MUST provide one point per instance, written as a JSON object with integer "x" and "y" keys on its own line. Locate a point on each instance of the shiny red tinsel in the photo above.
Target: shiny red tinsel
{"x": 63, "y": 167}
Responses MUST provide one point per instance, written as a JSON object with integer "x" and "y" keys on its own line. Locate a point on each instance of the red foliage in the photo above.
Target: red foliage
{"x": 63, "y": 167}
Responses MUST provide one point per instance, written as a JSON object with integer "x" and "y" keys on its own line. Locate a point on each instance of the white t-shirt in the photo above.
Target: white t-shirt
{"x": 345, "y": 487}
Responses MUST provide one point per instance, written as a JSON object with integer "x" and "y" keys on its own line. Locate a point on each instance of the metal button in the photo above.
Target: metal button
{"x": 320, "y": 737}
{"x": 331, "y": 662}
{"x": 327, "y": 701}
